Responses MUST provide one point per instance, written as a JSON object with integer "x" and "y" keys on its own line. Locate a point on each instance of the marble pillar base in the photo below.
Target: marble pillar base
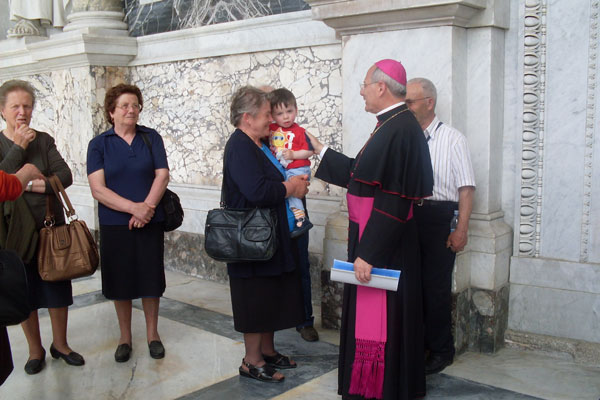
{"x": 335, "y": 246}
{"x": 579, "y": 351}
{"x": 488, "y": 319}
{"x": 332, "y": 294}
{"x": 461, "y": 312}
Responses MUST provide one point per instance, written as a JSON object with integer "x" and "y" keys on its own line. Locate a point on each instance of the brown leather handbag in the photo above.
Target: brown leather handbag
{"x": 67, "y": 251}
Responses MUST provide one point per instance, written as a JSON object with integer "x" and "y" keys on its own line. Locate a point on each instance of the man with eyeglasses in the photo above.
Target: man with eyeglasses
{"x": 453, "y": 188}
{"x": 381, "y": 337}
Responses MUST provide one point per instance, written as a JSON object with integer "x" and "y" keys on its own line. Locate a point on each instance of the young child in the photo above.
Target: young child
{"x": 292, "y": 148}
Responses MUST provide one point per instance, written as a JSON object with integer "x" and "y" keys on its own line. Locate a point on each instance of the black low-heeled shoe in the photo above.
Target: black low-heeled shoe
{"x": 123, "y": 352}
{"x": 72, "y": 358}
{"x": 35, "y": 365}
{"x": 157, "y": 350}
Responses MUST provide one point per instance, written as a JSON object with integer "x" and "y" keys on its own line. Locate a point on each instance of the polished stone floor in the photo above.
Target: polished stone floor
{"x": 204, "y": 353}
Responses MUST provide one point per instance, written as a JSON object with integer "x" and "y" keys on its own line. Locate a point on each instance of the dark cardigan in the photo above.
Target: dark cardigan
{"x": 42, "y": 153}
{"x": 251, "y": 180}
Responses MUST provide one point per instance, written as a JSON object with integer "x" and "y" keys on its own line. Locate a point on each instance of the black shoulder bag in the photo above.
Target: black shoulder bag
{"x": 170, "y": 203}
{"x": 239, "y": 235}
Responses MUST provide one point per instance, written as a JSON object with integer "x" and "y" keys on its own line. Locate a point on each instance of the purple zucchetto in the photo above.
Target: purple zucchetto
{"x": 393, "y": 69}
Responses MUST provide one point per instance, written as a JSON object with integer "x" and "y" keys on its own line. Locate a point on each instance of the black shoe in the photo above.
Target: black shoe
{"x": 123, "y": 352}
{"x": 309, "y": 333}
{"x": 72, "y": 358}
{"x": 436, "y": 364}
{"x": 35, "y": 365}
{"x": 157, "y": 350}
{"x": 302, "y": 229}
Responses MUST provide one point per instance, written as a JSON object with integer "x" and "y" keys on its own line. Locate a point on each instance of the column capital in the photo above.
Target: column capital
{"x": 349, "y": 17}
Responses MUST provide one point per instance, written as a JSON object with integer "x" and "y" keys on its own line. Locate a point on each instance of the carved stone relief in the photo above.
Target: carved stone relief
{"x": 534, "y": 87}
{"x": 589, "y": 132}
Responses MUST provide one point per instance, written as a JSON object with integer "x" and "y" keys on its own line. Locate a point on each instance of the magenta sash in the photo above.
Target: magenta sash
{"x": 371, "y": 320}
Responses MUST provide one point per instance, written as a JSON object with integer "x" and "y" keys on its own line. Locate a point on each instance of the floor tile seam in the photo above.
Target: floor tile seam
{"x": 96, "y": 297}
{"x": 471, "y": 380}
{"x": 232, "y": 382}
{"x": 206, "y": 325}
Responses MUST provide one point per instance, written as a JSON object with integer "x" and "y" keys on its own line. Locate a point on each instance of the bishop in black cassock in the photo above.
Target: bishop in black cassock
{"x": 391, "y": 171}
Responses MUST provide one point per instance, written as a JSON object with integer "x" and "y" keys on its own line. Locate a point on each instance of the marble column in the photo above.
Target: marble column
{"x": 459, "y": 45}
{"x": 100, "y": 14}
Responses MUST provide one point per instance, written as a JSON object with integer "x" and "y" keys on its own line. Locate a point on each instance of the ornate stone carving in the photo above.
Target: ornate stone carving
{"x": 534, "y": 88}
{"x": 589, "y": 131}
{"x": 24, "y": 27}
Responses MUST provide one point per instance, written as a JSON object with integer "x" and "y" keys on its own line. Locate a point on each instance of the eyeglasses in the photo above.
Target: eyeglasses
{"x": 364, "y": 85}
{"x": 412, "y": 101}
{"x": 125, "y": 107}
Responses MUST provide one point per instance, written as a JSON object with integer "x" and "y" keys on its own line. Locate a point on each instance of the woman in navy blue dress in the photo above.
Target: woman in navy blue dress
{"x": 266, "y": 296}
{"x": 128, "y": 179}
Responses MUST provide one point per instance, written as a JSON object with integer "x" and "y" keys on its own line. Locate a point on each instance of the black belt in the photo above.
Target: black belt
{"x": 436, "y": 203}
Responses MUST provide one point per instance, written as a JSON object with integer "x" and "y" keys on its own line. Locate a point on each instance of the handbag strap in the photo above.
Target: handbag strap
{"x": 49, "y": 219}
{"x": 145, "y": 139}
{"x": 222, "y": 203}
{"x": 61, "y": 194}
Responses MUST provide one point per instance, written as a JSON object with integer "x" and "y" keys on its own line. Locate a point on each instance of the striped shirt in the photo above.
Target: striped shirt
{"x": 450, "y": 159}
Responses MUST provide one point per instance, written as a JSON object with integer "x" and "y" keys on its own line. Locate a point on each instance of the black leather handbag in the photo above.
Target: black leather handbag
{"x": 14, "y": 302}
{"x": 238, "y": 235}
{"x": 170, "y": 203}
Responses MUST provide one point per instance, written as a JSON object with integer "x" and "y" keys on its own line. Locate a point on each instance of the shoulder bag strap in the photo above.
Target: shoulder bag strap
{"x": 258, "y": 153}
{"x": 49, "y": 219}
{"x": 222, "y": 203}
{"x": 145, "y": 139}
{"x": 61, "y": 194}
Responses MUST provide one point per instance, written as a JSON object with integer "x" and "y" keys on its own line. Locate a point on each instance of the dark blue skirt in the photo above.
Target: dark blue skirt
{"x": 132, "y": 261}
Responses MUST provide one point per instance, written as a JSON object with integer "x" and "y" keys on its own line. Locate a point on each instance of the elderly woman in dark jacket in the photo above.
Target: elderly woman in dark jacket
{"x": 266, "y": 296}
{"x": 21, "y": 144}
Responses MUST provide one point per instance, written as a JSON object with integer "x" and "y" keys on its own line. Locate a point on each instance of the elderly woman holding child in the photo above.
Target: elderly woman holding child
{"x": 266, "y": 296}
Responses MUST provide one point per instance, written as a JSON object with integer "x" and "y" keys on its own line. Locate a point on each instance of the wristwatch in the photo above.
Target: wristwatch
{"x": 29, "y": 186}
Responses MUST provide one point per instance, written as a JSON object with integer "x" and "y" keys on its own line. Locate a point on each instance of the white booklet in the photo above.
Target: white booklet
{"x": 343, "y": 271}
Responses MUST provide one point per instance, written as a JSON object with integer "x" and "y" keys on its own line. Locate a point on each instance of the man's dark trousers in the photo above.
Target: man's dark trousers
{"x": 437, "y": 262}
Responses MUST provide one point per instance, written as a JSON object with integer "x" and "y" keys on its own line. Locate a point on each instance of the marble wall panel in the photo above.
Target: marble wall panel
{"x": 564, "y": 135}
{"x": 5, "y": 23}
{"x": 188, "y": 103}
{"x": 556, "y": 274}
{"x": 68, "y": 108}
{"x": 484, "y": 122}
{"x": 555, "y": 312}
{"x": 513, "y": 109}
{"x": 361, "y": 51}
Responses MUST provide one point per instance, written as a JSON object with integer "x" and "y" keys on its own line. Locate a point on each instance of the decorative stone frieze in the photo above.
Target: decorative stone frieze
{"x": 590, "y": 128}
{"x": 534, "y": 85}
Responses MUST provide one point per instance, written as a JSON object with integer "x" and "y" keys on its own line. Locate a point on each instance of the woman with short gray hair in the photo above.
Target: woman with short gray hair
{"x": 266, "y": 296}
